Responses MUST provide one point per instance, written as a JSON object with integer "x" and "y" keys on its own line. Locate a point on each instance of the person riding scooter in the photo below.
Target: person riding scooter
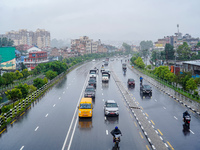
{"x": 116, "y": 131}
{"x": 141, "y": 79}
{"x": 186, "y": 118}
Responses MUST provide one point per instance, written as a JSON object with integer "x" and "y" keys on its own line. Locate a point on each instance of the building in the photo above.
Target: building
{"x": 35, "y": 58}
{"x": 176, "y": 40}
{"x": 191, "y": 66}
{"x": 40, "y": 38}
{"x": 7, "y": 58}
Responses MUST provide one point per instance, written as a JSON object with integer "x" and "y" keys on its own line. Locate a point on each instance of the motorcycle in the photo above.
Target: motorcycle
{"x": 116, "y": 140}
{"x": 187, "y": 120}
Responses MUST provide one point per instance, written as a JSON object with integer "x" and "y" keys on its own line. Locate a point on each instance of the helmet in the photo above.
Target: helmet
{"x": 116, "y": 127}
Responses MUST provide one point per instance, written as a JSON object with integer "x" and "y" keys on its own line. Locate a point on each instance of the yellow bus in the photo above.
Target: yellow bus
{"x": 85, "y": 107}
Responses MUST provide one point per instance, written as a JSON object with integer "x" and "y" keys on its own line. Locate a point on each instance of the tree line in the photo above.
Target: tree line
{"x": 6, "y": 42}
{"x": 185, "y": 79}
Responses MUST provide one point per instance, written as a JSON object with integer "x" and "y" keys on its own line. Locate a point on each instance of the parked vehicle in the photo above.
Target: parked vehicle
{"x": 131, "y": 82}
{"x": 111, "y": 108}
{"x": 85, "y": 107}
{"x": 146, "y": 90}
{"x": 90, "y": 92}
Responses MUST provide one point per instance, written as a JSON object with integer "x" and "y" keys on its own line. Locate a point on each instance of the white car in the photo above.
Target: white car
{"x": 93, "y": 60}
{"x": 111, "y": 108}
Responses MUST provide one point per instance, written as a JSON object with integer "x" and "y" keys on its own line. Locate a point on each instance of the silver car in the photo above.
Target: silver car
{"x": 111, "y": 108}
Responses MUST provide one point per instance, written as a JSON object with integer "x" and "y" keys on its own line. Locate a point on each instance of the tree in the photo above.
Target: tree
{"x": 14, "y": 94}
{"x": 198, "y": 44}
{"x": 38, "y": 82}
{"x": 24, "y": 89}
{"x": 127, "y": 47}
{"x": 184, "y": 51}
{"x": 45, "y": 80}
{"x": 169, "y": 52}
{"x": 32, "y": 88}
{"x": 18, "y": 74}
{"x": 145, "y": 52}
{"x": 191, "y": 85}
{"x": 2, "y": 82}
{"x": 23, "y": 66}
{"x": 25, "y": 73}
{"x": 183, "y": 78}
{"x": 8, "y": 78}
{"x": 51, "y": 74}
{"x": 139, "y": 62}
{"x": 6, "y": 42}
{"x": 146, "y": 45}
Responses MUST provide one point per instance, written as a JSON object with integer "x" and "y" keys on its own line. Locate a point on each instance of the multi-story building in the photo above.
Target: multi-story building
{"x": 40, "y": 38}
{"x": 35, "y": 58}
{"x": 176, "y": 40}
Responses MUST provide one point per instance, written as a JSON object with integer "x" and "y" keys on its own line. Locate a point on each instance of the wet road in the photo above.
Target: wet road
{"x": 52, "y": 122}
{"x": 165, "y": 114}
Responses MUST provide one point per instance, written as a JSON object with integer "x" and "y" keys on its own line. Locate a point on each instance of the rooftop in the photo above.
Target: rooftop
{"x": 193, "y": 62}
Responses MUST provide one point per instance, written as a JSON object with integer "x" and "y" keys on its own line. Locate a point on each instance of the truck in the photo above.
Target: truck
{"x": 124, "y": 66}
{"x": 105, "y": 76}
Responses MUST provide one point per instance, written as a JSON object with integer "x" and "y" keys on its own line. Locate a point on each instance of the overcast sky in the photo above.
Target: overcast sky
{"x": 102, "y": 19}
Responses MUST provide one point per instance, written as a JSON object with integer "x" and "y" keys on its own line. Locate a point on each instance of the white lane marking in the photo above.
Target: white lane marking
{"x": 70, "y": 142}
{"x": 36, "y": 128}
{"x": 101, "y": 89}
{"x": 161, "y": 138}
{"x": 22, "y": 148}
{"x": 64, "y": 92}
{"x": 59, "y": 98}
{"x": 105, "y": 118}
{"x": 164, "y": 107}
{"x": 175, "y": 118}
{"x": 149, "y": 121}
{"x": 107, "y": 132}
{"x": 54, "y": 105}
{"x": 67, "y": 87}
{"x": 66, "y": 138}
{"x": 155, "y": 100}
{"x": 46, "y": 115}
{"x": 156, "y": 131}
{"x": 102, "y": 93}
{"x": 191, "y": 132}
{"x": 103, "y": 100}
{"x": 166, "y": 145}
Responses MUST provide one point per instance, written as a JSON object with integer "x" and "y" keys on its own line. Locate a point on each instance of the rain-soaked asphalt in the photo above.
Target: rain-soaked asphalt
{"x": 52, "y": 125}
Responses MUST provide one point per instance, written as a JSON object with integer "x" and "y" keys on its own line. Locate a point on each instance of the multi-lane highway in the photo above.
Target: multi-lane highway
{"x": 52, "y": 123}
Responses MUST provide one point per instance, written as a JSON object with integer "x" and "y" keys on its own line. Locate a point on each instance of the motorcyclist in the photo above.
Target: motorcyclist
{"x": 115, "y": 131}
{"x": 185, "y": 114}
{"x": 141, "y": 79}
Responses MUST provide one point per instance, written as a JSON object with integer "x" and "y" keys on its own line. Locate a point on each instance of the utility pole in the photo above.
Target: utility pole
{"x": 176, "y": 48}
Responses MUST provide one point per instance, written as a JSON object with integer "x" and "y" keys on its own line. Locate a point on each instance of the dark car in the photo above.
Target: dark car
{"x": 90, "y": 92}
{"x": 92, "y": 82}
{"x": 146, "y": 90}
{"x": 131, "y": 82}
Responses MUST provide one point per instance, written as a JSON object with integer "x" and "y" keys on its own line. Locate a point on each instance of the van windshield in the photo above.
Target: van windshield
{"x": 85, "y": 106}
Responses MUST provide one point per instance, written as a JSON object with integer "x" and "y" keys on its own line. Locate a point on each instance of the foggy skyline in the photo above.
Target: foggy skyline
{"x": 118, "y": 20}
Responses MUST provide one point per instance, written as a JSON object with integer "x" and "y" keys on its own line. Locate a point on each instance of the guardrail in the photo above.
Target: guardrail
{"x": 24, "y": 104}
